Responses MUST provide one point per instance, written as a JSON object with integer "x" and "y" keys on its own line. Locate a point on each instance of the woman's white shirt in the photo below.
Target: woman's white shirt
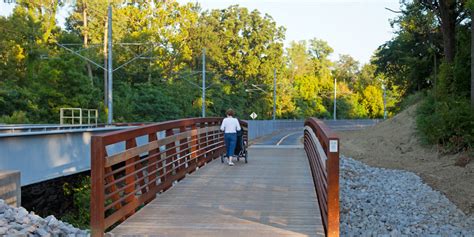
{"x": 230, "y": 125}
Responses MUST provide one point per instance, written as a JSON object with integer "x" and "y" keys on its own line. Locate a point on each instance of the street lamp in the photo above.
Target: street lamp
{"x": 274, "y": 92}
{"x": 384, "y": 102}
{"x": 335, "y": 94}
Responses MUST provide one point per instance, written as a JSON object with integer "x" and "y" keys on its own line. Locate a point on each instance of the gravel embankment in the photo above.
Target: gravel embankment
{"x": 384, "y": 202}
{"x": 18, "y": 222}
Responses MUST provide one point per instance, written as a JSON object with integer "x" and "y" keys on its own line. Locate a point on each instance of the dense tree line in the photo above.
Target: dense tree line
{"x": 430, "y": 56}
{"x": 242, "y": 48}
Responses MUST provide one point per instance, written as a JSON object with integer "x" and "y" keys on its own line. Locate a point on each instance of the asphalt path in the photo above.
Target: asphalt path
{"x": 282, "y": 137}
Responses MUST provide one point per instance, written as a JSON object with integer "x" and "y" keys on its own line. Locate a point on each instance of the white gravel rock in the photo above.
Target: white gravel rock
{"x": 18, "y": 222}
{"x": 3, "y": 230}
{"x": 383, "y": 202}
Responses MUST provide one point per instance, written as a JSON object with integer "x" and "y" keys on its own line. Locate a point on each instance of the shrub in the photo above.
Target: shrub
{"x": 81, "y": 193}
{"x": 18, "y": 117}
{"x": 412, "y": 99}
{"x": 373, "y": 101}
{"x": 448, "y": 122}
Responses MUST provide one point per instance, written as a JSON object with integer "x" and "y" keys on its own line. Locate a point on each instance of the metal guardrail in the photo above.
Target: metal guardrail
{"x": 17, "y": 129}
{"x": 322, "y": 148}
{"x": 44, "y": 129}
{"x": 124, "y": 181}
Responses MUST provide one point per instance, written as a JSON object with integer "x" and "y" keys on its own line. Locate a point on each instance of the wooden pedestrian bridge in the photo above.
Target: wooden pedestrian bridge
{"x": 169, "y": 185}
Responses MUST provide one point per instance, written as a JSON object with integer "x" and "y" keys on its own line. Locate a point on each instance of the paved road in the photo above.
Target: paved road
{"x": 283, "y": 137}
{"x": 294, "y": 136}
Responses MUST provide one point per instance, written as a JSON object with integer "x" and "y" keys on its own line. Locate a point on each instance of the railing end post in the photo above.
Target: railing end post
{"x": 333, "y": 187}
{"x": 97, "y": 221}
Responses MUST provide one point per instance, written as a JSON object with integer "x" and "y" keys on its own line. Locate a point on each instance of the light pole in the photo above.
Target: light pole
{"x": 335, "y": 100}
{"x": 109, "y": 70}
{"x": 203, "y": 82}
{"x": 384, "y": 102}
{"x": 274, "y": 93}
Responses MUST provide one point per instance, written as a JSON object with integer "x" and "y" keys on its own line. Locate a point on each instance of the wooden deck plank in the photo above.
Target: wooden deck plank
{"x": 272, "y": 195}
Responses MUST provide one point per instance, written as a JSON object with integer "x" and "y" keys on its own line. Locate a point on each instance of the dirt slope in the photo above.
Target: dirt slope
{"x": 393, "y": 144}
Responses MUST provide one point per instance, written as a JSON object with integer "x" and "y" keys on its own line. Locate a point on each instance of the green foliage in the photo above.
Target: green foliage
{"x": 18, "y": 117}
{"x": 411, "y": 62}
{"x": 242, "y": 47}
{"x": 408, "y": 58}
{"x": 80, "y": 217}
{"x": 449, "y": 122}
{"x": 349, "y": 107}
{"x": 346, "y": 70}
{"x": 462, "y": 63}
{"x": 412, "y": 99}
{"x": 373, "y": 101}
{"x": 445, "y": 79}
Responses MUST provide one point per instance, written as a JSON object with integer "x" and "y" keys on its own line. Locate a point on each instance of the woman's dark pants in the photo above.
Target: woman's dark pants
{"x": 230, "y": 140}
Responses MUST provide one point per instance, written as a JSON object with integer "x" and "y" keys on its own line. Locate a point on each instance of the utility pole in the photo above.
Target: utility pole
{"x": 335, "y": 88}
{"x": 109, "y": 69}
{"x": 274, "y": 93}
{"x": 106, "y": 29}
{"x": 384, "y": 102}
{"x": 203, "y": 82}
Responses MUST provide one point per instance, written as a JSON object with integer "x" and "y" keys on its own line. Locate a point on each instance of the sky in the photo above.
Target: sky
{"x": 354, "y": 27}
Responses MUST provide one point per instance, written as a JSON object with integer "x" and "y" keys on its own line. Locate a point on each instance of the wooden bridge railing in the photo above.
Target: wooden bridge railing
{"x": 124, "y": 182}
{"x": 322, "y": 149}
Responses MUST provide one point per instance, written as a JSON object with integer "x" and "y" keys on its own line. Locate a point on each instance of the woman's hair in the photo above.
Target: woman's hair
{"x": 230, "y": 112}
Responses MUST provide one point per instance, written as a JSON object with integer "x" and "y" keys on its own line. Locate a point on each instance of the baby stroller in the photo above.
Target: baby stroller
{"x": 240, "y": 148}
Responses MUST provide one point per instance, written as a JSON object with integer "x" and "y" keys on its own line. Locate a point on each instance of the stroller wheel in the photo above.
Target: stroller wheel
{"x": 222, "y": 158}
{"x": 238, "y": 158}
{"x": 246, "y": 155}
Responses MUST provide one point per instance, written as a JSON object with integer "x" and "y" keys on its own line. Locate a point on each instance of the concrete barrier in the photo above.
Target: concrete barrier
{"x": 10, "y": 187}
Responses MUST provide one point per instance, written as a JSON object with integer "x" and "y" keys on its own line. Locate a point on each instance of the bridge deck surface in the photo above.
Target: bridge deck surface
{"x": 272, "y": 195}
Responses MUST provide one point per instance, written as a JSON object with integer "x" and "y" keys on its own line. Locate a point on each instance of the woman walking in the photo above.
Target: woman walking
{"x": 230, "y": 126}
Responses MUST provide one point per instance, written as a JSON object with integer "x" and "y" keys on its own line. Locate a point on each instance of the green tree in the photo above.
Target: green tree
{"x": 373, "y": 102}
{"x": 242, "y": 49}
{"x": 346, "y": 69}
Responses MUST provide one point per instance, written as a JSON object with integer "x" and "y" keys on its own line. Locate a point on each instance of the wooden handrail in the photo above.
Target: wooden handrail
{"x": 124, "y": 182}
{"x": 322, "y": 148}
